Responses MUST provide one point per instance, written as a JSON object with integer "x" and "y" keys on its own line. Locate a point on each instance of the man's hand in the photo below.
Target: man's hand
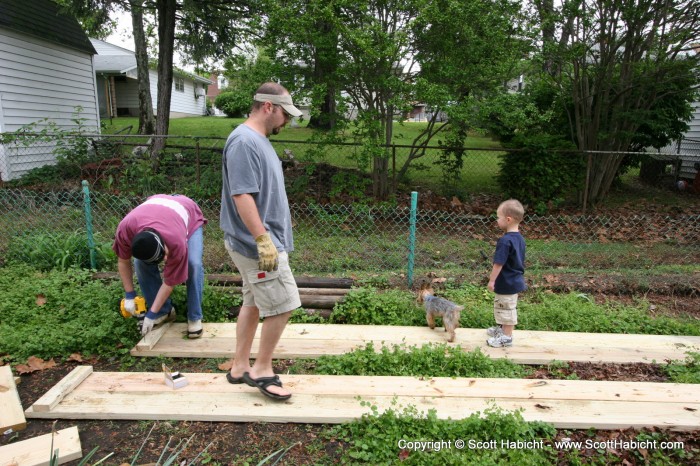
{"x": 130, "y": 306}
{"x": 267, "y": 252}
{"x": 129, "y": 303}
{"x": 147, "y": 325}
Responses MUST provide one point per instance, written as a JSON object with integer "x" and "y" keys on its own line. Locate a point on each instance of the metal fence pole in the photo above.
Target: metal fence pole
{"x": 88, "y": 224}
{"x": 412, "y": 238}
{"x": 198, "y": 163}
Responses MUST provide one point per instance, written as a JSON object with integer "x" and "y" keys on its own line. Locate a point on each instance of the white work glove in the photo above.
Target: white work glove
{"x": 129, "y": 302}
{"x": 130, "y": 306}
{"x": 148, "y": 323}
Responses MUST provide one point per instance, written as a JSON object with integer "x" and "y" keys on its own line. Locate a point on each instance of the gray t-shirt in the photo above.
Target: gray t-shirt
{"x": 251, "y": 166}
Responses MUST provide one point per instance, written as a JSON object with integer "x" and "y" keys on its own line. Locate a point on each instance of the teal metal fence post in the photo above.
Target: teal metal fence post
{"x": 412, "y": 238}
{"x": 88, "y": 224}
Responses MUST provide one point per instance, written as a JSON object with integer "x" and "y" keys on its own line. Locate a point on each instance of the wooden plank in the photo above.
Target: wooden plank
{"x": 208, "y": 397}
{"x": 152, "y": 337}
{"x": 54, "y": 396}
{"x": 37, "y": 451}
{"x": 444, "y": 387}
{"x": 11, "y": 412}
{"x": 531, "y": 347}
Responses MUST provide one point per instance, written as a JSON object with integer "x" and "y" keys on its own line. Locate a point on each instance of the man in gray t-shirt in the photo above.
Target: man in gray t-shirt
{"x": 257, "y": 229}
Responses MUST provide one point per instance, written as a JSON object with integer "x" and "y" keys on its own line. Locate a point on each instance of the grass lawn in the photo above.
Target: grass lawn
{"x": 221, "y": 127}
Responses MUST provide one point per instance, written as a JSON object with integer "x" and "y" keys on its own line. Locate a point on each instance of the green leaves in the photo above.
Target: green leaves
{"x": 80, "y": 315}
{"x": 429, "y": 361}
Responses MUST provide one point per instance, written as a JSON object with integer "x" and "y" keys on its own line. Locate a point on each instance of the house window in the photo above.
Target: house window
{"x": 179, "y": 84}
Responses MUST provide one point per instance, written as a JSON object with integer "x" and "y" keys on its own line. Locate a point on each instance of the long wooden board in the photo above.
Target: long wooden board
{"x": 530, "y": 347}
{"x": 37, "y": 451}
{"x": 209, "y": 397}
{"x": 11, "y": 413}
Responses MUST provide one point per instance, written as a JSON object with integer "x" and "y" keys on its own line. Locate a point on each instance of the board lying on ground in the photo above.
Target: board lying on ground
{"x": 531, "y": 347}
{"x": 37, "y": 451}
{"x": 11, "y": 414}
{"x": 571, "y": 404}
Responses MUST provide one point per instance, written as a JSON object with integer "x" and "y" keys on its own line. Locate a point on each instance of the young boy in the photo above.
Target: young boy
{"x": 507, "y": 278}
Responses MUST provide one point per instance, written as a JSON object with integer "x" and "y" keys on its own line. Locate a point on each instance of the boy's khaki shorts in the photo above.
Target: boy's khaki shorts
{"x": 505, "y": 309}
{"x": 273, "y": 293}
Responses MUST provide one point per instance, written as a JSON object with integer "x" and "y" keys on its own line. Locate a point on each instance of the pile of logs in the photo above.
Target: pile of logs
{"x": 318, "y": 295}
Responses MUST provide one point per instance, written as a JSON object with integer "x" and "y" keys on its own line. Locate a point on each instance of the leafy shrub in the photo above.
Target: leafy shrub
{"x": 576, "y": 312}
{"x": 234, "y": 103}
{"x": 57, "y": 313}
{"x": 375, "y": 438}
{"x": 430, "y": 360}
{"x": 688, "y": 372}
{"x": 61, "y": 251}
{"x": 365, "y": 306}
{"x": 544, "y": 170}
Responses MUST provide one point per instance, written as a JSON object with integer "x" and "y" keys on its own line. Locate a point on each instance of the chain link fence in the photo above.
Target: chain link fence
{"x": 44, "y": 212}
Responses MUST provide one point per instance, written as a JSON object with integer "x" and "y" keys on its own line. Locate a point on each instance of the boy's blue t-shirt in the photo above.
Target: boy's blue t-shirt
{"x": 510, "y": 252}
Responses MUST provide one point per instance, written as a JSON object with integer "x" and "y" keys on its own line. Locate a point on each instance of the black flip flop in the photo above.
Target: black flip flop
{"x": 234, "y": 380}
{"x": 262, "y": 383}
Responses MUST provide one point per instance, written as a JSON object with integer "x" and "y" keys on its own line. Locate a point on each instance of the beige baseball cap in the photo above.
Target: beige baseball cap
{"x": 285, "y": 101}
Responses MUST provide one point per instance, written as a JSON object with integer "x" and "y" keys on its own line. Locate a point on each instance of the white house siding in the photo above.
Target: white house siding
{"x": 104, "y": 48}
{"x": 688, "y": 148}
{"x": 39, "y": 80}
{"x": 181, "y": 103}
{"x": 127, "y": 96}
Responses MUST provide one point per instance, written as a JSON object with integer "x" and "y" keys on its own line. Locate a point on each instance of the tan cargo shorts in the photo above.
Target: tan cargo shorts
{"x": 505, "y": 309}
{"x": 273, "y": 293}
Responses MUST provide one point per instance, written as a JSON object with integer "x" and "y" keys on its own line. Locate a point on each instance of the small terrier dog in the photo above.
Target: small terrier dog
{"x": 439, "y": 307}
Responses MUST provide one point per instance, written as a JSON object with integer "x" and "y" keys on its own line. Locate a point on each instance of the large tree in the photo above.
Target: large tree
{"x": 303, "y": 35}
{"x": 147, "y": 124}
{"x": 466, "y": 51}
{"x": 620, "y": 62}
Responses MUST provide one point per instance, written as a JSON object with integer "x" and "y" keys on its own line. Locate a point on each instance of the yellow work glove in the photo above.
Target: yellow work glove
{"x": 267, "y": 253}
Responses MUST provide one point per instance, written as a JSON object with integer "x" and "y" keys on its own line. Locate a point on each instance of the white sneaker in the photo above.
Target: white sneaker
{"x": 166, "y": 318}
{"x": 500, "y": 341}
{"x": 194, "y": 329}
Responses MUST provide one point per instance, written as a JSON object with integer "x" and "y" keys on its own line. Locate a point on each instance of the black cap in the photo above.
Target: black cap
{"x": 147, "y": 246}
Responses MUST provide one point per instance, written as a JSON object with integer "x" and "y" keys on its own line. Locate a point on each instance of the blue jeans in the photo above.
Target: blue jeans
{"x": 150, "y": 280}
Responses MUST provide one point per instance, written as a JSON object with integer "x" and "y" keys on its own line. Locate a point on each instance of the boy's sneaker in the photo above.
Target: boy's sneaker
{"x": 494, "y": 331}
{"x": 169, "y": 317}
{"x": 500, "y": 341}
{"x": 194, "y": 329}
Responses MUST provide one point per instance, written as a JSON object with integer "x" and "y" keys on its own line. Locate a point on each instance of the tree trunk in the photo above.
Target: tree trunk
{"x": 166, "y": 42}
{"x": 146, "y": 119}
{"x": 325, "y": 67}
